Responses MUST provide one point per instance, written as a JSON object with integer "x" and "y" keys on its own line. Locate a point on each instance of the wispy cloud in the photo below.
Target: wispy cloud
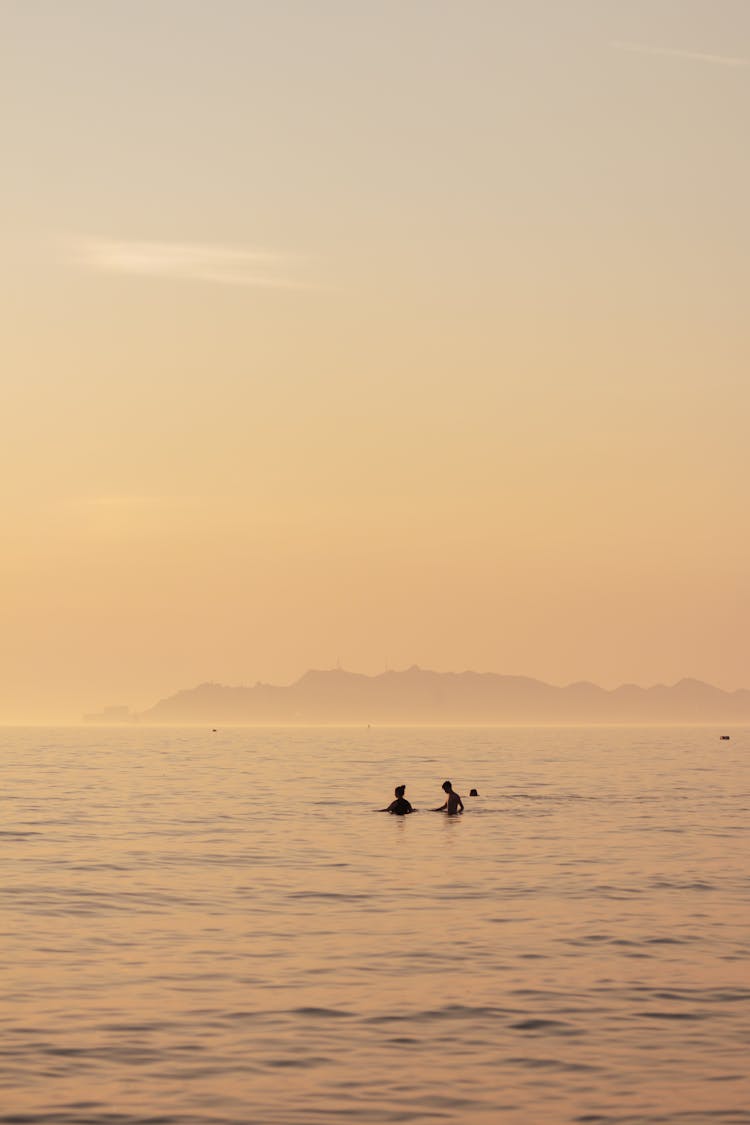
{"x": 677, "y": 53}
{"x": 188, "y": 261}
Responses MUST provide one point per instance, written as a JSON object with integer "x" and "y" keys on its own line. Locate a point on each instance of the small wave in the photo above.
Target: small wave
{"x": 89, "y": 1113}
{"x": 548, "y": 797}
{"x": 687, "y": 1117}
{"x": 680, "y": 885}
{"x": 450, "y": 1012}
{"x": 332, "y": 896}
{"x": 535, "y": 1063}
{"x": 322, "y": 1013}
{"x": 298, "y": 1062}
{"x": 656, "y": 1015}
{"x": 539, "y": 1024}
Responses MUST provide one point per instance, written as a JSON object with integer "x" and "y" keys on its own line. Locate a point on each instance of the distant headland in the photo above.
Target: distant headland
{"x": 416, "y": 695}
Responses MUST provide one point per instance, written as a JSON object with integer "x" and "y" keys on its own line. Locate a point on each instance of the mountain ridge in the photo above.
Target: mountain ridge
{"x": 417, "y": 695}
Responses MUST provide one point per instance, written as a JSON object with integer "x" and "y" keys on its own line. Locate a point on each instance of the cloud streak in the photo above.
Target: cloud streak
{"x": 187, "y": 261}
{"x": 677, "y": 53}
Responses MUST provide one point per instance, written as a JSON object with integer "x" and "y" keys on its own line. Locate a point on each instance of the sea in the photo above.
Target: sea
{"x": 207, "y": 926}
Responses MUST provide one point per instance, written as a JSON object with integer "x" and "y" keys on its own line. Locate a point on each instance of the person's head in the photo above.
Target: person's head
{"x": 400, "y": 790}
{"x": 473, "y": 793}
{"x": 447, "y": 787}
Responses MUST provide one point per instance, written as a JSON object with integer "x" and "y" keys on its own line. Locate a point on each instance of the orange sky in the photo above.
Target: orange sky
{"x": 382, "y": 333}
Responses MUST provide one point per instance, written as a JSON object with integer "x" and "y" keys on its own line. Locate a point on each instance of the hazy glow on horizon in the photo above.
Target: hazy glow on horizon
{"x": 393, "y": 333}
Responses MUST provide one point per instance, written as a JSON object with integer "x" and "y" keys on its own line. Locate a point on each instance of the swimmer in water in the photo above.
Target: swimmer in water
{"x": 399, "y": 807}
{"x": 453, "y": 803}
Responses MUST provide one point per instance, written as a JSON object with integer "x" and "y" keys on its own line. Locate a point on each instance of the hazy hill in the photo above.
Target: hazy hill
{"x": 417, "y": 695}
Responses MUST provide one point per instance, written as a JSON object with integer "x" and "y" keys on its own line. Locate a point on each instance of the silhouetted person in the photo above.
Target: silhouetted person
{"x": 453, "y": 803}
{"x": 399, "y": 807}
{"x": 473, "y": 793}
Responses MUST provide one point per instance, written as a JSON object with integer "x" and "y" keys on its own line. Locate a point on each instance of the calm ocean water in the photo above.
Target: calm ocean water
{"x": 206, "y": 927}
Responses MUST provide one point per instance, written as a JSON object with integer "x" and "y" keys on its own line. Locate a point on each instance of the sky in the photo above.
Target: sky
{"x": 372, "y": 334}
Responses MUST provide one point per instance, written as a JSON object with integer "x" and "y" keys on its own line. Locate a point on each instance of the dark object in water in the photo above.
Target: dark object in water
{"x": 473, "y": 793}
{"x": 724, "y": 738}
{"x": 399, "y": 807}
{"x": 453, "y": 805}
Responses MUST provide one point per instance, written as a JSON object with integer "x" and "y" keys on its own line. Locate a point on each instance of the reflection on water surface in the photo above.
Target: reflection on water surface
{"x": 202, "y": 927}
